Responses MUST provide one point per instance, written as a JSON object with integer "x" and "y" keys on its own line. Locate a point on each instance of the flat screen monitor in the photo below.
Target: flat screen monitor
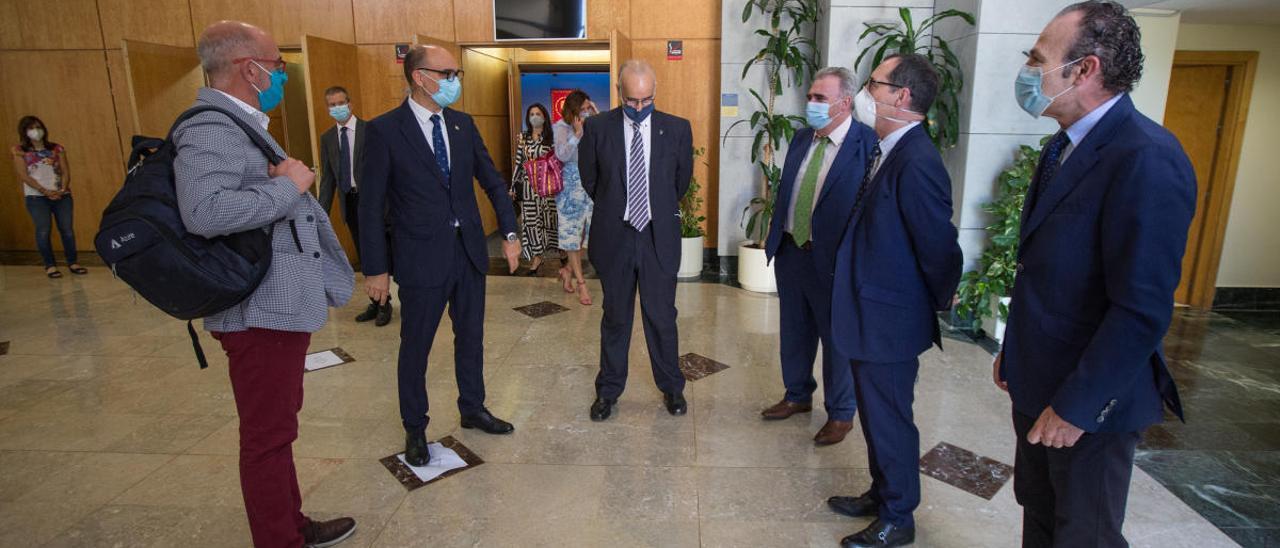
{"x": 540, "y": 19}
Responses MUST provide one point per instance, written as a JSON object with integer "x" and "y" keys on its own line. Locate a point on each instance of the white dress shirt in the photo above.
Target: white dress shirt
{"x": 1079, "y": 130}
{"x": 887, "y": 144}
{"x": 261, "y": 117}
{"x": 351, "y": 146}
{"x": 828, "y": 157}
{"x": 423, "y": 114}
{"x": 628, "y": 136}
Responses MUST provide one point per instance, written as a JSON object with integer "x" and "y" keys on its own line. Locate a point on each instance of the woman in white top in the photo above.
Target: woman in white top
{"x": 41, "y": 167}
{"x": 572, "y": 203}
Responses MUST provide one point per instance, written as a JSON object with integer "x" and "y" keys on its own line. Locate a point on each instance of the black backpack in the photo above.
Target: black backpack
{"x": 143, "y": 240}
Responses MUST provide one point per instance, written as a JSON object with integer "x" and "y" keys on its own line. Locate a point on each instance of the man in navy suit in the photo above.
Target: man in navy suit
{"x": 420, "y": 159}
{"x": 636, "y": 164}
{"x": 1103, "y": 233}
{"x": 826, "y": 163}
{"x": 898, "y": 264}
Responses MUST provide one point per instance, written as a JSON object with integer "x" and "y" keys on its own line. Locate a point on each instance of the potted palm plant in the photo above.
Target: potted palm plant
{"x": 944, "y": 116}
{"x": 984, "y": 292}
{"x": 790, "y": 48}
{"x": 691, "y": 231}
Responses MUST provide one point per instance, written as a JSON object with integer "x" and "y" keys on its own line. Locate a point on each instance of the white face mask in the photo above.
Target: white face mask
{"x": 864, "y": 109}
{"x": 536, "y": 121}
{"x": 35, "y": 134}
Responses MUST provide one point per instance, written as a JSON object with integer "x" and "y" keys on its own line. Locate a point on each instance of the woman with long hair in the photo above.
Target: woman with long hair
{"x": 537, "y": 213}
{"x": 41, "y": 167}
{"x": 573, "y": 204}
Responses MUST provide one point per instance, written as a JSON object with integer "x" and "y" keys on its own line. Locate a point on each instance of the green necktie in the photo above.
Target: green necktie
{"x": 803, "y": 208}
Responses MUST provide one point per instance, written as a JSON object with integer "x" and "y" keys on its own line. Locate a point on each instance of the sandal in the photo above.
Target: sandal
{"x": 78, "y": 270}
{"x": 566, "y": 279}
{"x": 584, "y": 297}
{"x": 52, "y": 272}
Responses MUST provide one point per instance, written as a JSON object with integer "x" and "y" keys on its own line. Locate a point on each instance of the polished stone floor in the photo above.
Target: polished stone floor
{"x": 111, "y": 436}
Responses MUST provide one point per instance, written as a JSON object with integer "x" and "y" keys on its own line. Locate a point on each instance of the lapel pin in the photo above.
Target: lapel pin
{"x": 661, "y": 132}
{"x": 456, "y": 128}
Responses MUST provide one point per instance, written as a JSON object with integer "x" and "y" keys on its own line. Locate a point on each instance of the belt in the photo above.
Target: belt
{"x": 808, "y": 246}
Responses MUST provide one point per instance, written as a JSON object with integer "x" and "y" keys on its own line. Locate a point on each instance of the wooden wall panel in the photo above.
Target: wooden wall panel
{"x": 330, "y": 63}
{"x": 473, "y": 20}
{"x": 605, "y": 16}
{"x": 391, "y": 21}
{"x": 496, "y": 133}
{"x": 162, "y": 83}
{"x": 166, "y": 22}
{"x": 83, "y": 122}
{"x": 484, "y": 86}
{"x": 286, "y": 20}
{"x": 382, "y": 83}
{"x": 690, "y": 88}
{"x": 675, "y": 20}
{"x": 64, "y": 24}
{"x": 120, "y": 97}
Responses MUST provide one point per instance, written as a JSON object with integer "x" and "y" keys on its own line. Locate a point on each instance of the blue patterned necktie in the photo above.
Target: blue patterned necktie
{"x": 637, "y": 182}
{"x": 344, "y": 162}
{"x": 438, "y": 147}
{"x": 1048, "y": 165}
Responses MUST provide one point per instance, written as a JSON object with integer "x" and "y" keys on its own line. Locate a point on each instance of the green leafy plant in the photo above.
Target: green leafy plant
{"x": 998, "y": 264}
{"x": 944, "y": 116}
{"x": 790, "y": 49}
{"x": 691, "y": 204}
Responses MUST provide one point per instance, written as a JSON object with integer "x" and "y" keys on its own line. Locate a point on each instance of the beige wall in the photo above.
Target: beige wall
{"x": 1159, "y": 41}
{"x": 1251, "y": 250}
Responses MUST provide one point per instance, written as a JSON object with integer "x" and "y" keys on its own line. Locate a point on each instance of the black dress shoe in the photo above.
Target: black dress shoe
{"x": 675, "y": 404}
{"x": 415, "y": 449}
{"x": 880, "y": 534}
{"x": 384, "y": 314}
{"x": 861, "y": 506}
{"x": 601, "y": 409}
{"x": 323, "y": 534}
{"x": 487, "y": 423}
{"x": 369, "y": 313}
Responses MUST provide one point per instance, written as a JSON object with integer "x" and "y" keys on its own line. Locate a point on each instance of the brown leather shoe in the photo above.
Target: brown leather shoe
{"x": 784, "y": 409}
{"x": 322, "y": 534}
{"x": 833, "y": 432}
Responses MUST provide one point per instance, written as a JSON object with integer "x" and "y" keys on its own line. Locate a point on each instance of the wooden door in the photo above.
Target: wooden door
{"x": 328, "y": 63}
{"x": 515, "y": 107}
{"x": 1206, "y": 110}
{"x": 163, "y": 81}
{"x": 619, "y": 52}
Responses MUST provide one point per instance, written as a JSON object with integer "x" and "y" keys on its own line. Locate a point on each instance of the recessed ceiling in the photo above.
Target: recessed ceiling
{"x": 1218, "y": 12}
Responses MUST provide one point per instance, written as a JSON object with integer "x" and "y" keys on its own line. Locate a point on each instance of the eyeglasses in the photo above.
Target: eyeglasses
{"x": 270, "y": 64}
{"x": 448, "y": 74}
{"x": 638, "y": 103}
{"x": 871, "y": 82}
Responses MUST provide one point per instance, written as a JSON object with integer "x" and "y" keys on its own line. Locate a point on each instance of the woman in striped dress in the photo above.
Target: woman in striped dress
{"x": 537, "y": 213}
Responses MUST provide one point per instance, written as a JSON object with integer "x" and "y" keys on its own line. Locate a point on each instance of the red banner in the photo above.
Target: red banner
{"x": 557, "y": 103}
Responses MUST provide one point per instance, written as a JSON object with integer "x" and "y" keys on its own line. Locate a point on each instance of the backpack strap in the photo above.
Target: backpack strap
{"x": 254, "y": 135}
{"x": 195, "y": 344}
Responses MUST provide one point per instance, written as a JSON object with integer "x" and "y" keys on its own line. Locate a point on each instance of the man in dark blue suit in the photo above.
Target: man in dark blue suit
{"x": 826, "y": 163}
{"x": 898, "y": 264}
{"x": 420, "y": 159}
{"x": 636, "y": 164}
{"x": 1103, "y": 233}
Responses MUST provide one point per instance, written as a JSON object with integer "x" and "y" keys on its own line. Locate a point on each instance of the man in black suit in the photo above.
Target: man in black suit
{"x": 420, "y": 161}
{"x": 636, "y": 164}
{"x": 341, "y": 160}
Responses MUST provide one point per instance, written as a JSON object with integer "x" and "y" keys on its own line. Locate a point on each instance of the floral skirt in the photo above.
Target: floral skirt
{"x": 574, "y": 208}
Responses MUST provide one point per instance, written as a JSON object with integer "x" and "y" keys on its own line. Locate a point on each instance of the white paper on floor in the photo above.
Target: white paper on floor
{"x": 323, "y": 359}
{"x": 442, "y": 460}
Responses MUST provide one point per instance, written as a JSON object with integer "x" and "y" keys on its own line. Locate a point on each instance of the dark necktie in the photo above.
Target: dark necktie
{"x": 438, "y": 147}
{"x": 866, "y": 178}
{"x": 344, "y": 162}
{"x": 1048, "y": 166}
{"x": 637, "y": 182}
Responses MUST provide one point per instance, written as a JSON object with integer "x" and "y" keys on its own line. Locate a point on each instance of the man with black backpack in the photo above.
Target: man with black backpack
{"x": 226, "y": 185}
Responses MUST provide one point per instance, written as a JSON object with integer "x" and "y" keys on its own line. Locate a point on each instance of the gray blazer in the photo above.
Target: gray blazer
{"x": 223, "y": 188}
{"x": 329, "y": 164}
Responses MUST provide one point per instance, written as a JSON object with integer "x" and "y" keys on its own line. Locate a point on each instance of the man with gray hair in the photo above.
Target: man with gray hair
{"x": 225, "y": 185}
{"x": 826, "y": 164}
{"x": 636, "y": 164}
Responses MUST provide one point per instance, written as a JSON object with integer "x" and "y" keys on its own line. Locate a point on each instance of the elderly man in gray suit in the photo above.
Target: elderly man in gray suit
{"x": 225, "y": 185}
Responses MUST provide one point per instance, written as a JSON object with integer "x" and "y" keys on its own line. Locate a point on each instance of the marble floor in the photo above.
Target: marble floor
{"x": 111, "y": 436}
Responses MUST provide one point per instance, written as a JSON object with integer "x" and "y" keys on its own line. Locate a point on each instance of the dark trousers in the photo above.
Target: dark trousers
{"x": 351, "y": 215}
{"x": 885, "y": 394}
{"x": 658, "y": 311}
{"x": 804, "y": 302}
{"x": 421, "y": 309}
{"x": 1074, "y": 496}
{"x": 42, "y": 210}
{"x": 266, "y": 369}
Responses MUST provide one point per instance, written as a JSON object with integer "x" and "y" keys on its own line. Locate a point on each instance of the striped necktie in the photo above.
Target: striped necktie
{"x": 637, "y": 182}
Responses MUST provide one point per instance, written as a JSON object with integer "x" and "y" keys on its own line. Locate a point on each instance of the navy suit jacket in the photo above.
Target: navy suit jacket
{"x": 400, "y": 178}
{"x": 899, "y": 260}
{"x": 1099, "y": 259}
{"x": 602, "y": 161}
{"x": 834, "y": 204}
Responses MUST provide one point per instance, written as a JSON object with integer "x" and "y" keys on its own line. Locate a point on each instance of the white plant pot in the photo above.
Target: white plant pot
{"x": 690, "y": 258}
{"x": 993, "y": 325}
{"x": 755, "y": 273}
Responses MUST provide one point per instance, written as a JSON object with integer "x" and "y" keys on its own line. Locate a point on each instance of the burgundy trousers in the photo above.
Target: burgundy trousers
{"x": 266, "y": 377}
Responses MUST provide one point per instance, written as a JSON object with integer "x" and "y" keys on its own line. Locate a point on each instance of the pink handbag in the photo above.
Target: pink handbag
{"x": 544, "y": 174}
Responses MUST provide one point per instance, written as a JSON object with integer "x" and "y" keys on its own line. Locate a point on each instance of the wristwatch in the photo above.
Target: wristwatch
{"x": 511, "y": 237}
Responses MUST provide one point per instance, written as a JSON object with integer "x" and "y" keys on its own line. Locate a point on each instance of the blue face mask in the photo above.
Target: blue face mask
{"x": 818, "y": 115}
{"x": 340, "y": 113}
{"x": 448, "y": 93}
{"x": 637, "y": 115}
{"x": 1027, "y": 88}
{"x": 270, "y": 98}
